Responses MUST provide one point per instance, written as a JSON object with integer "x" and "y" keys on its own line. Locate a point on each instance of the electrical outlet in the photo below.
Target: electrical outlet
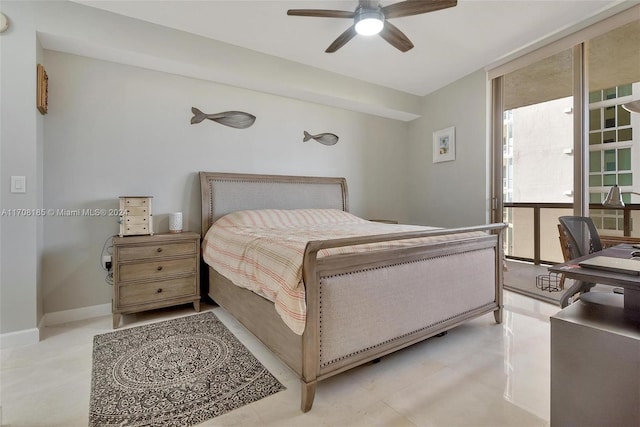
{"x": 106, "y": 262}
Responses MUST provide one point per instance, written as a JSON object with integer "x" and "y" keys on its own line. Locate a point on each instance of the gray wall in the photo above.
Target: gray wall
{"x": 116, "y": 130}
{"x": 21, "y": 134}
{"x": 451, "y": 194}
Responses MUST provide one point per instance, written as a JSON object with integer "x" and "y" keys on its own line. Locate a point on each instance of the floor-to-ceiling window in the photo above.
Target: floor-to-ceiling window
{"x": 613, "y": 61}
{"x": 565, "y": 138}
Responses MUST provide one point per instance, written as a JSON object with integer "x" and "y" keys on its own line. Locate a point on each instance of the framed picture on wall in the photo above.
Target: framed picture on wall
{"x": 444, "y": 145}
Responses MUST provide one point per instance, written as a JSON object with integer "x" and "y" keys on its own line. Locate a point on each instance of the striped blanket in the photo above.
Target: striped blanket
{"x": 262, "y": 250}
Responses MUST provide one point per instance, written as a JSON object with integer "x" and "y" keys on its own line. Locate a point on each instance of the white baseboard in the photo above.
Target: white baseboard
{"x": 32, "y": 336}
{"x": 65, "y": 316}
{"x": 19, "y": 338}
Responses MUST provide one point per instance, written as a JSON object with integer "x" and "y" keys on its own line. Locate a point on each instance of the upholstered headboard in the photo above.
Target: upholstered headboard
{"x": 223, "y": 193}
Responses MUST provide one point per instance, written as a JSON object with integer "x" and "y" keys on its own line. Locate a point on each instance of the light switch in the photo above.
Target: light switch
{"x": 18, "y": 184}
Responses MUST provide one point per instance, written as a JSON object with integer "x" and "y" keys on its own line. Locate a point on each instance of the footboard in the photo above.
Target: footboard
{"x": 365, "y": 305}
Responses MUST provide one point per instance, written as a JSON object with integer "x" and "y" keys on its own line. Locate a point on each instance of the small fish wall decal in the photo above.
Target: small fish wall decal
{"x": 322, "y": 138}
{"x": 234, "y": 119}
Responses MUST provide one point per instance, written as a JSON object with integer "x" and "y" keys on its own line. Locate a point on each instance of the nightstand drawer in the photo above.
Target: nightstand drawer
{"x": 157, "y": 251}
{"x": 145, "y": 293}
{"x": 156, "y": 269}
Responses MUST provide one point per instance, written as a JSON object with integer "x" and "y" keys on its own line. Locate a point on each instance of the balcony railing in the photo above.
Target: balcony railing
{"x": 533, "y": 234}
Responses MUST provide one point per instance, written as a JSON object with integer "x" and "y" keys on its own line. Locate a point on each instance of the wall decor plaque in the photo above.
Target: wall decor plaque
{"x": 42, "y": 90}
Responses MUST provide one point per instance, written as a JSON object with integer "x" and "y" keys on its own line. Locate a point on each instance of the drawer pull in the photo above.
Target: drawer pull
{"x": 159, "y": 290}
{"x": 159, "y": 268}
{"x": 159, "y": 250}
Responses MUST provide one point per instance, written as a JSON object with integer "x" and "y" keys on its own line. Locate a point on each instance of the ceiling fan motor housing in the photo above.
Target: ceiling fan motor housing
{"x": 369, "y": 21}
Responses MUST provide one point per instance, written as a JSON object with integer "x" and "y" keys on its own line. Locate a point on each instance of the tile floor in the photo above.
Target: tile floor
{"x": 480, "y": 374}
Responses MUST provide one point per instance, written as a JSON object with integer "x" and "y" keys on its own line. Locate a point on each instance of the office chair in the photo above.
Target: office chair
{"x": 583, "y": 239}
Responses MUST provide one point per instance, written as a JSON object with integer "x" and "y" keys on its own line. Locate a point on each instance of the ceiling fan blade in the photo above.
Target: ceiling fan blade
{"x": 320, "y": 13}
{"x": 395, "y": 37}
{"x": 415, "y": 7}
{"x": 342, "y": 39}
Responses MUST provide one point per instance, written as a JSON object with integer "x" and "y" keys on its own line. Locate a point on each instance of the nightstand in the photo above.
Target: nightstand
{"x": 155, "y": 271}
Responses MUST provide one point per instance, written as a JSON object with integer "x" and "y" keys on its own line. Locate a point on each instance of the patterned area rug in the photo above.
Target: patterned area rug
{"x": 178, "y": 372}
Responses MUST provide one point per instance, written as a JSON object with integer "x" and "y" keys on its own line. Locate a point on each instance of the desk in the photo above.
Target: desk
{"x": 630, "y": 282}
{"x": 595, "y": 352}
{"x": 595, "y": 367}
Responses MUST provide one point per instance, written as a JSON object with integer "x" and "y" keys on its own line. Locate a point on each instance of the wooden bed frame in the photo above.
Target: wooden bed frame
{"x": 360, "y": 306}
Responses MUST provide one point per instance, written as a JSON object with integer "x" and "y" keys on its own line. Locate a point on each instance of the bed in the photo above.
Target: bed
{"x": 359, "y": 306}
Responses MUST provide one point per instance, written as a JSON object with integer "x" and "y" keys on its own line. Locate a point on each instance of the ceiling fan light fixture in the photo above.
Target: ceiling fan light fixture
{"x": 369, "y": 22}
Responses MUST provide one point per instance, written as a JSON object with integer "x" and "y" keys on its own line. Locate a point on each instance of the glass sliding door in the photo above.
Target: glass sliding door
{"x": 538, "y": 164}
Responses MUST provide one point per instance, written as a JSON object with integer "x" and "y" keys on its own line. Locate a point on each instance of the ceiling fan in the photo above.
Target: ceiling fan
{"x": 371, "y": 18}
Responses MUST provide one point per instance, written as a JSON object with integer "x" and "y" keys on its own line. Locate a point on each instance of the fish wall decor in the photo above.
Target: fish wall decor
{"x": 234, "y": 119}
{"x": 322, "y": 138}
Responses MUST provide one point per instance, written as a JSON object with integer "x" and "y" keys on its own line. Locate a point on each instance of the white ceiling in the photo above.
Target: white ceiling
{"x": 449, "y": 44}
